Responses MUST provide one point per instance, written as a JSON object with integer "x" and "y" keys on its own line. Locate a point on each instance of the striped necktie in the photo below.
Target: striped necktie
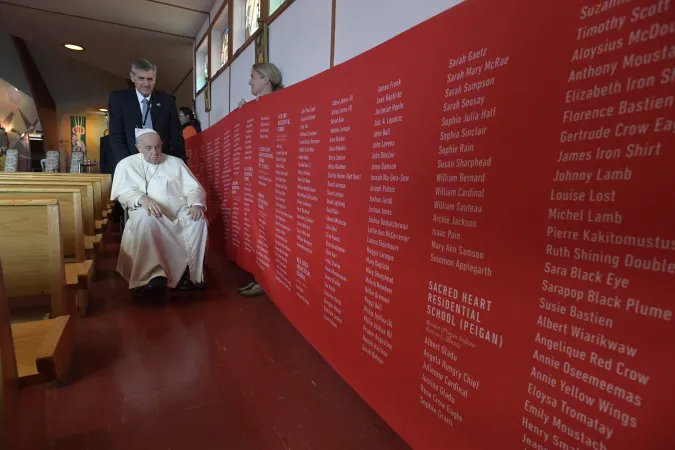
{"x": 146, "y": 106}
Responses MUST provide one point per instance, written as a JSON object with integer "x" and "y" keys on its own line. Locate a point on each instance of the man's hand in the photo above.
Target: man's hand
{"x": 151, "y": 206}
{"x": 196, "y": 212}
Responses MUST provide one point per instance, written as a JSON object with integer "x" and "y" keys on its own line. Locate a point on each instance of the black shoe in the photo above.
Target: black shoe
{"x": 153, "y": 291}
{"x": 157, "y": 284}
{"x": 188, "y": 285}
{"x": 183, "y": 285}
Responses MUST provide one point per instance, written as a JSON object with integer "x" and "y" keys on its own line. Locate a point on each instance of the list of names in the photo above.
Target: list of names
{"x": 458, "y": 318}
{"x": 339, "y": 180}
{"x": 283, "y": 215}
{"x": 306, "y": 199}
{"x": 249, "y": 198}
{"x": 237, "y": 207}
{"x": 585, "y": 390}
{"x": 386, "y": 234}
{"x": 265, "y": 183}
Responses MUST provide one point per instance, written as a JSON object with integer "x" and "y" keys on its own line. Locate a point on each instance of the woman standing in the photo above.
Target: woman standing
{"x": 190, "y": 124}
{"x": 265, "y": 79}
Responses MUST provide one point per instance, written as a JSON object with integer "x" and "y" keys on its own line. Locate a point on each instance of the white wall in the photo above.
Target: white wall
{"x": 239, "y": 21}
{"x": 185, "y": 93}
{"x": 299, "y": 39}
{"x": 214, "y": 10}
{"x": 220, "y": 97}
{"x": 241, "y": 74}
{"x": 200, "y": 110}
{"x": 361, "y": 25}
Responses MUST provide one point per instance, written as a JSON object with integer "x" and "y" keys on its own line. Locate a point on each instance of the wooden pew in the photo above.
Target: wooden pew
{"x": 9, "y": 388}
{"x": 70, "y": 205}
{"x": 86, "y": 190}
{"x": 93, "y": 242}
{"x": 44, "y": 349}
{"x": 98, "y": 185}
{"x": 22, "y": 411}
{"x": 79, "y": 270}
{"x": 100, "y": 221}
{"x": 31, "y": 254}
{"x": 106, "y": 182}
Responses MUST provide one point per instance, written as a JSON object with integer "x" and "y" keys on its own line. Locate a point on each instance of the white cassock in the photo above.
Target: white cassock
{"x": 163, "y": 247}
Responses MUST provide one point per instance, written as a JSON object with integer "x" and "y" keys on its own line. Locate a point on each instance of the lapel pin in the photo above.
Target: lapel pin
{"x": 158, "y": 104}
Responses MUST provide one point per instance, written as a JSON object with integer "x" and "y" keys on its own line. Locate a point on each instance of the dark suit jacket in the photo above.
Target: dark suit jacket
{"x": 107, "y": 158}
{"x": 124, "y": 113}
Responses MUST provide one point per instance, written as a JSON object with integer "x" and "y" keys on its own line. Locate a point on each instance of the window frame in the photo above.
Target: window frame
{"x": 265, "y": 18}
{"x": 208, "y": 52}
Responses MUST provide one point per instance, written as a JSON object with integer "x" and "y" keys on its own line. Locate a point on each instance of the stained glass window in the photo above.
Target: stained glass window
{"x": 252, "y": 16}
{"x": 206, "y": 66}
{"x": 274, "y": 5}
{"x": 224, "y": 51}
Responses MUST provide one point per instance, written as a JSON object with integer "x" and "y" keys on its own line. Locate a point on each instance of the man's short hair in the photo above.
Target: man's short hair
{"x": 143, "y": 64}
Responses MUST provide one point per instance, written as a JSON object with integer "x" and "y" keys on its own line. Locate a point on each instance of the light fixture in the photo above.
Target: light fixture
{"x": 21, "y": 135}
{"x": 103, "y": 110}
{"x": 77, "y": 48}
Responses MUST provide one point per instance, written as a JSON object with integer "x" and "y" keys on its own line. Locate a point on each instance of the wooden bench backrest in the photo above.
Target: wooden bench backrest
{"x": 70, "y": 206}
{"x": 86, "y": 191}
{"x": 9, "y": 385}
{"x": 106, "y": 180}
{"x": 31, "y": 251}
{"x": 96, "y": 184}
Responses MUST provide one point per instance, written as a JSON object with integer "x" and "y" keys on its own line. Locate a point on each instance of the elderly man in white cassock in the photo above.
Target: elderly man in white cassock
{"x": 164, "y": 240}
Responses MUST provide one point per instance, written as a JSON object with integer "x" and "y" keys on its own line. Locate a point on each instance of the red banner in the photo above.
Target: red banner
{"x": 473, "y": 222}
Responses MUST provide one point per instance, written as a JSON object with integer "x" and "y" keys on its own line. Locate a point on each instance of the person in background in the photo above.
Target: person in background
{"x": 191, "y": 126}
{"x": 265, "y": 79}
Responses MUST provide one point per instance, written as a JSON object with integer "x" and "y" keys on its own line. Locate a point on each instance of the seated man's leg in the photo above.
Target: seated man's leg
{"x": 195, "y": 235}
{"x": 151, "y": 248}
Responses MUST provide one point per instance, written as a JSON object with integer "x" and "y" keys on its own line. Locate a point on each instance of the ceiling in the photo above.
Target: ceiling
{"x": 114, "y": 32}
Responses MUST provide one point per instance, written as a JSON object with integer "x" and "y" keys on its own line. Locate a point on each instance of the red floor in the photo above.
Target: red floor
{"x": 209, "y": 370}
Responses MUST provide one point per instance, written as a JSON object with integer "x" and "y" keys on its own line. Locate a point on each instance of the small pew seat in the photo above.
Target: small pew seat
{"x": 44, "y": 350}
{"x": 93, "y": 246}
{"x": 79, "y": 276}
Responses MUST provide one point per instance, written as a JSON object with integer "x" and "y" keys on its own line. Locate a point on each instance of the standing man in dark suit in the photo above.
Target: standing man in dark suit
{"x": 143, "y": 107}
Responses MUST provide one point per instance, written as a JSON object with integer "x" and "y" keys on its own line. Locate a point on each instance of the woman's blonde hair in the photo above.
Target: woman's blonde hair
{"x": 271, "y": 72}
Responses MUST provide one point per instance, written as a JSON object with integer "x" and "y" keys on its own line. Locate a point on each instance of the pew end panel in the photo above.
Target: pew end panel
{"x": 86, "y": 191}
{"x": 9, "y": 388}
{"x": 70, "y": 205}
{"x": 23, "y": 423}
{"x": 31, "y": 249}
